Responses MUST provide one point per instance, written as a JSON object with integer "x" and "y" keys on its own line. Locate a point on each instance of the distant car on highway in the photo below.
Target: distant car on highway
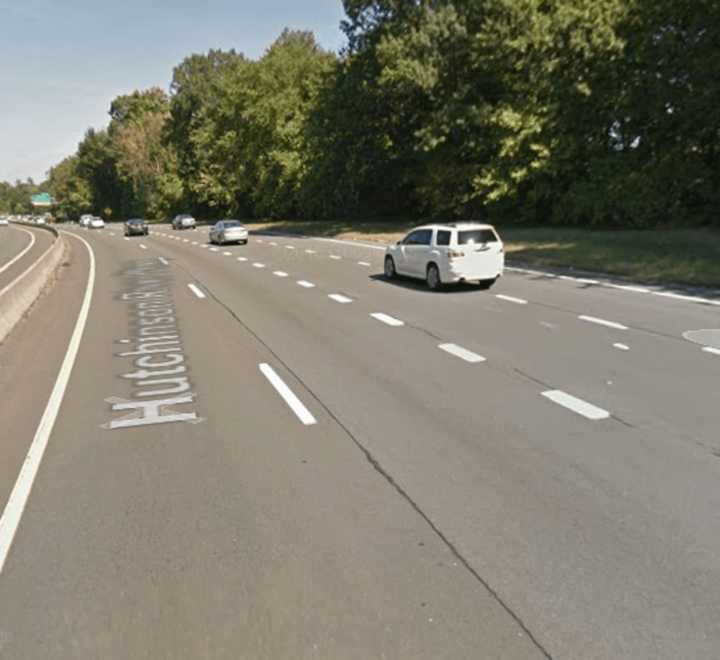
{"x": 136, "y": 227}
{"x": 4, "y": 222}
{"x": 448, "y": 253}
{"x": 228, "y": 231}
{"x": 184, "y": 221}
{"x": 96, "y": 223}
{"x": 85, "y": 220}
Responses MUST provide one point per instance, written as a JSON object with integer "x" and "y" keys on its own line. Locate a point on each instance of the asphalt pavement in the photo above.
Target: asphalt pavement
{"x": 270, "y": 451}
{"x": 20, "y": 246}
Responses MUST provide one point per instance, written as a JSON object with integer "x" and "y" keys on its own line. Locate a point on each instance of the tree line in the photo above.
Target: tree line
{"x": 575, "y": 112}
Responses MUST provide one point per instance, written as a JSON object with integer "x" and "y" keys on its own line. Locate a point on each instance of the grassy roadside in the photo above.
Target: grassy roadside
{"x": 672, "y": 256}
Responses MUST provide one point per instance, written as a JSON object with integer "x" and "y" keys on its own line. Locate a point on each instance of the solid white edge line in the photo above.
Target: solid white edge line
{"x": 518, "y": 301}
{"x": 607, "y": 324}
{"x": 297, "y": 406}
{"x": 196, "y": 290}
{"x": 12, "y": 514}
{"x": 387, "y": 319}
{"x": 710, "y": 349}
{"x": 462, "y": 353}
{"x": 587, "y": 410}
{"x": 22, "y": 252}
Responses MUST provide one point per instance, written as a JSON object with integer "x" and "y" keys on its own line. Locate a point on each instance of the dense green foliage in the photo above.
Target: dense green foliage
{"x": 15, "y": 198}
{"x": 575, "y": 112}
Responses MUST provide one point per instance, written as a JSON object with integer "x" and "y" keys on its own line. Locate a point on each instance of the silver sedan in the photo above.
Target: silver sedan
{"x": 228, "y": 231}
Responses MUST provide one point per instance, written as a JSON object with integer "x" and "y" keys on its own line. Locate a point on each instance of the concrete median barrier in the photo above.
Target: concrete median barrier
{"x": 17, "y": 297}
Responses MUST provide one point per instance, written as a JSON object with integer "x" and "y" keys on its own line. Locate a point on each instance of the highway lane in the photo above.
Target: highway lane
{"x": 242, "y": 532}
{"x": 20, "y": 246}
{"x": 640, "y": 382}
{"x": 599, "y": 533}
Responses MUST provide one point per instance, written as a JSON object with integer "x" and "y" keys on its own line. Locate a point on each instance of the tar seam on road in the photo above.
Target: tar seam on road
{"x": 375, "y": 463}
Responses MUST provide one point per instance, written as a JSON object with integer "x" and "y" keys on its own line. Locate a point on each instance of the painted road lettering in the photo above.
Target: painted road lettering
{"x": 157, "y": 372}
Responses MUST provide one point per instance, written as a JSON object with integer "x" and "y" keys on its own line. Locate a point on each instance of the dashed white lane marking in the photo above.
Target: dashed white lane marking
{"x": 194, "y": 242}
{"x": 289, "y": 247}
{"x": 363, "y": 263}
{"x": 710, "y": 349}
{"x": 12, "y": 514}
{"x": 305, "y": 284}
{"x": 587, "y": 410}
{"x": 310, "y": 252}
{"x": 242, "y": 258}
{"x": 518, "y": 301}
{"x": 163, "y": 261}
{"x": 259, "y": 240}
{"x": 387, "y": 319}
{"x": 338, "y": 297}
{"x": 462, "y": 353}
{"x": 214, "y": 249}
{"x": 336, "y": 257}
{"x": 621, "y": 347}
{"x": 196, "y": 291}
{"x": 607, "y": 324}
{"x": 227, "y": 254}
{"x": 273, "y": 243}
{"x": 126, "y": 238}
{"x": 143, "y": 246}
{"x": 280, "y": 273}
{"x": 205, "y": 246}
{"x": 22, "y": 252}
{"x": 258, "y": 265}
{"x": 297, "y": 406}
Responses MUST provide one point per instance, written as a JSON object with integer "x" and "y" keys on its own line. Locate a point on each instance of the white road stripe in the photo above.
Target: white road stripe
{"x": 280, "y": 273}
{"x": 337, "y": 297}
{"x": 310, "y": 252}
{"x": 710, "y": 349}
{"x": 677, "y": 296}
{"x": 259, "y": 240}
{"x": 388, "y": 320}
{"x": 273, "y": 243}
{"x": 607, "y": 324}
{"x": 625, "y": 287}
{"x": 186, "y": 240}
{"x": 290, "y": 247}
{"x": 462, "y": 353}
{"x": 288, "y": 395}
{"x": 335, "y": 257}
{"x": 15, "y": 506}
{"x": 305, "y": 284}
{"x": 194, "y": 242}
{"x": 576, "y": 405}
{"x": 258, "y": 265}
{"x": 126, "y": 238}
{"x": 22, "y": 252}
{"x": 214, "y": 249}
{"x": 621, "y": 347}
{"x": 363, "y": 263}
{"x": 227, "y": 254}
{"x": 242, "y": 258}
{"x": 143, "y": 246}
{"x": 163, "y": 261}
{"x": 196, "y": 291}
{"x": 518, "y": 301}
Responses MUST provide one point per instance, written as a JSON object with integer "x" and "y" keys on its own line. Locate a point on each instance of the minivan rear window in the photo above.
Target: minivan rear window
{"x": 475, "y": 236}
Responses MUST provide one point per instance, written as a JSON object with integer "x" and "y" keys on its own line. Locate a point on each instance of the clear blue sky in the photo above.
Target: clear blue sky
{"x": 63, "y": 61}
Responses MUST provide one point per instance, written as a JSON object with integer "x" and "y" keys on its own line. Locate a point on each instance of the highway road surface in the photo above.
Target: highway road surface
{"x": 20, "y": 246}
{"x": 270, "y": 451}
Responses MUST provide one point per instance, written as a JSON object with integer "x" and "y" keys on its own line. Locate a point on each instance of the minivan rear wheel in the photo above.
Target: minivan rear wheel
{"x": 390, "y": 271}
{"x": 433, "y": 277}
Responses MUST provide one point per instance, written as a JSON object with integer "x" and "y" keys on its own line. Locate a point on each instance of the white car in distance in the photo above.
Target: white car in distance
{"x": 96, "y": 223}
{"x": 228, "y": 231}
{"x": 448, "y": 253}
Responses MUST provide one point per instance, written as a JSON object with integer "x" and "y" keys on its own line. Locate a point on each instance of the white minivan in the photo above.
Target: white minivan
{"x": 447, "y": 253}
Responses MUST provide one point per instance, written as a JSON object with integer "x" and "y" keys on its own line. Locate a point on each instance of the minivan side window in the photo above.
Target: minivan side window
{"x": 419, "y": 237}
{"x": 476, "y": 236}
{"x": 443, "y": 237}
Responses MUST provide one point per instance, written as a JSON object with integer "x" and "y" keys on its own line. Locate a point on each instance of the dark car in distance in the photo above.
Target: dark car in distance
{"x": 136, "y": 227}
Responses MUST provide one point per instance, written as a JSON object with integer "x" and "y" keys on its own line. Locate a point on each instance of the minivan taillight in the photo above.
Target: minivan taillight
{"x": 454, "y": 254}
